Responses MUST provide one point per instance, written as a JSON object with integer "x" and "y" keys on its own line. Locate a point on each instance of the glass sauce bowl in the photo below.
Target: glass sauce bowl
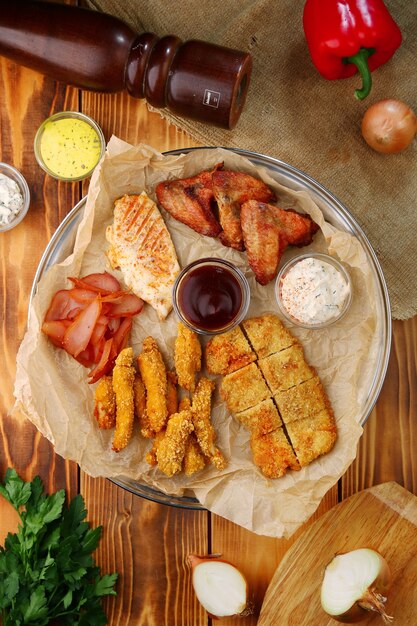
{"x": 211, "y": 296}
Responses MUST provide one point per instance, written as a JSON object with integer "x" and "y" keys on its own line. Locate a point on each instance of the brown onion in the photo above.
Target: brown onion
{"x": 389, "y": 126}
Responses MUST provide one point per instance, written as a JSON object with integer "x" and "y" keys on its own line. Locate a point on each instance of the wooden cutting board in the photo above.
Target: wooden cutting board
{"x": 383, "y": 518}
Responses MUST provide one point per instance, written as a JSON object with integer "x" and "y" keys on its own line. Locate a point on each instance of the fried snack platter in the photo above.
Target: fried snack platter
{"x": 350, "y": 358}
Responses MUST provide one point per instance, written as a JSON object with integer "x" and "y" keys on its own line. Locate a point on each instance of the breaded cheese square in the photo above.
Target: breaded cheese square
{"x": 273, "y": 454}
{"x": 267, "y": 335}
{"x": 313, "y": 436}
{"x": 228, "y": 352}
{"x": 260, "y": 419}
{"x": 302, "y": 401}
{"x": 244, "y": 388}
{"x": 286, "y": 369}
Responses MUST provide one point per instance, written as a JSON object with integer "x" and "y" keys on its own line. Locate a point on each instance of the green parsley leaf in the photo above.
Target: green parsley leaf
{"x": 47, "y": 571}
{"x": 15, "y": 490}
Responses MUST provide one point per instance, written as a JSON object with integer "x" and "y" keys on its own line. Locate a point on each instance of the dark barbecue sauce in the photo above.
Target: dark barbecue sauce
{"x": 210, "y": 297}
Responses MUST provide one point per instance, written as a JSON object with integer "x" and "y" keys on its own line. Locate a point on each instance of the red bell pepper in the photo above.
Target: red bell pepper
{"x": 345, "y": 36}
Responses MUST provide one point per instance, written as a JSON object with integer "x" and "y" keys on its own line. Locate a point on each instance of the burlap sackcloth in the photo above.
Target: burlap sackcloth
{"x": 293, "y": 114}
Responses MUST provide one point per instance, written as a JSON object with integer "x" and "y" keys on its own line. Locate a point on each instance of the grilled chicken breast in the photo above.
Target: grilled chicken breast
{"x": 142, "y": 248}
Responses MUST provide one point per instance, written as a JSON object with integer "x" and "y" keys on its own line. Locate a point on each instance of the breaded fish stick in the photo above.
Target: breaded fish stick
{"x": 201, "y": 414}
{"x": 123, "y": 379}
{"x": 154, "y": 376}
{"x": 171, "y": 450}
{"x": 187, "y": 357}
{"x": 105, "y": 403}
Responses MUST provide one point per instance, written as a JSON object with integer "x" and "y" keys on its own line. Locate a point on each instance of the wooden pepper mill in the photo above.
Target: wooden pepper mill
{"x": 99, "y": 52}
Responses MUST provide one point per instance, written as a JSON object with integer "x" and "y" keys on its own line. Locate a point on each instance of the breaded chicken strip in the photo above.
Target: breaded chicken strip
{"x": 187, "y": 357}
{"x": 153, "y": 372}
{"x": 105, "y": 403}
{"x": 139, "y": 394}
{"x": 201, "y": 414}
{"x": 171, "y": 450}
{"x": 173, "y": 407}
{"x": 172, "y": 395}
{"x": 150, "y": 456}
{"x": 123, "y": 379}
{"x": 194, "y": 459}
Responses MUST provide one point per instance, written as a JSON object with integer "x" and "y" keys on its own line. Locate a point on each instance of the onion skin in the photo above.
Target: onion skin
{"x": 194, "y": 560}
{"x": 372, "y": 599}
{"x": 389, "y": 126}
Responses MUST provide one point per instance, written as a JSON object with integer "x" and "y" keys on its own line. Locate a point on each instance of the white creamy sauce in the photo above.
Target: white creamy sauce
{"x": 313, "y": 291}
{"x": 11, "y": 199}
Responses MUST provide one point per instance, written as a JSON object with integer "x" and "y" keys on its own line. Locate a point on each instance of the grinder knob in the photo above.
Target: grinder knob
{"x": 98, "y": 52}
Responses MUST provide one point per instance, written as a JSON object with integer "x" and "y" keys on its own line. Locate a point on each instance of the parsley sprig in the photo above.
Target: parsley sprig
{"x": 47, "y": 572}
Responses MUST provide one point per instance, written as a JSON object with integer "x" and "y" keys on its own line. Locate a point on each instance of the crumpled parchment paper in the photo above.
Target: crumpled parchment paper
{"x": 52, "y": 388}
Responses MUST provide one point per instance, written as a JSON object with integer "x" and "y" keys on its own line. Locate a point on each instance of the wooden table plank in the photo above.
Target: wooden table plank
{"x": 26, "y": 98}
{"x": 387, "y": 449}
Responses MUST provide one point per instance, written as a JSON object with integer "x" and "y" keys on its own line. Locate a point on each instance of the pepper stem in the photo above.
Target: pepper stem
{"x": 360, "y": 59}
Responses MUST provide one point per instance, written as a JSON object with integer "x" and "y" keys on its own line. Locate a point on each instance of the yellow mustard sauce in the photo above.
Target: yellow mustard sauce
{"x": 70, "y": 147}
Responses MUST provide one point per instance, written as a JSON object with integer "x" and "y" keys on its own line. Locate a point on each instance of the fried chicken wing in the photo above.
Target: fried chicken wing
{"x": 201, "y": 415}
{"x": 268, "y": 231}
{"x": 171, "y": 449}
{"x": 105, "y": 403}
{"x": 153, "y": 372}
{"x": 296, "y": 229}
{"x": 189, "y": 200}
{"x": 231, "y": 189}
{"x": 123, "y": 379}
{"x": 262, "y": 240}
{"x": 187, "y": 357}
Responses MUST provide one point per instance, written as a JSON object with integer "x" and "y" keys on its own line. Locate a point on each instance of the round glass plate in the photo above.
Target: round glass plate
{"x": 62, "y": 242}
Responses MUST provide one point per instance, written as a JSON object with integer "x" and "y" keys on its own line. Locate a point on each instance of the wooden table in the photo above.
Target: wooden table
{"x": 146, "y": 542}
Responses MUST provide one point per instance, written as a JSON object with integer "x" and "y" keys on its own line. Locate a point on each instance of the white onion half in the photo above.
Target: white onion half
{"x": 219, "y": 586}
{"x": 355, "y": 582}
